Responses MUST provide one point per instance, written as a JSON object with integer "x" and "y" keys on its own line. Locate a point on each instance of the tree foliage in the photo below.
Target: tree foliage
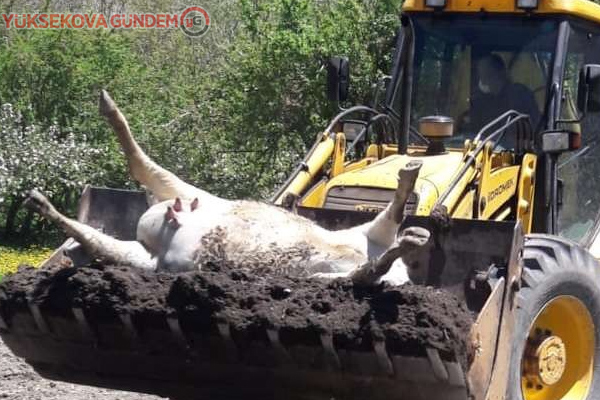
{"x": 265, "y": 102}
{"x": 230, "y": 112}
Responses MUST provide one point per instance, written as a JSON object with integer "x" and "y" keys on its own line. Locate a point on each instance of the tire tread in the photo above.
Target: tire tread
{"x": 545, "y": 259}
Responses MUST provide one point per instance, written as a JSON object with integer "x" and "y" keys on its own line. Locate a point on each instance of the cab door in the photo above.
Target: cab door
{"x": 579, "y": 171}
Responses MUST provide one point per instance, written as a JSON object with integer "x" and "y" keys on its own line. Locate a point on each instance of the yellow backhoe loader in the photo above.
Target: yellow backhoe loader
{"x": 500, "y": 102}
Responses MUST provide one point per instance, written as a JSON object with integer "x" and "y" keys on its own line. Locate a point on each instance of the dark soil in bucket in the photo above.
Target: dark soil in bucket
{"x": 409, "y": 318}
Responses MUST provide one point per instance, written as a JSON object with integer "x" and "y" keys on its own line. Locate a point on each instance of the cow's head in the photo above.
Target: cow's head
{"x": 160, "y": 231}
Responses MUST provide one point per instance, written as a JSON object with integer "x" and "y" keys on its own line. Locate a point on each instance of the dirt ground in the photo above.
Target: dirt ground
{"x": 18, "y": 381}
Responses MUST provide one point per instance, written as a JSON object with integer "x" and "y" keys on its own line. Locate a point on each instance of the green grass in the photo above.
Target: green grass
{"x": 11, "y": 256}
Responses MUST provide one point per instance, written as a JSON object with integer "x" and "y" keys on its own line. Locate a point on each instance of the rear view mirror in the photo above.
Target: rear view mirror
{"x": 560, "y": 141}
{"x": 338, "y": 79}
{"x": 588, "y": 93}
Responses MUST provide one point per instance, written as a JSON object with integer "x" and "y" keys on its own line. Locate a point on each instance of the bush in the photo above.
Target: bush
{"x": 46, "y": 159}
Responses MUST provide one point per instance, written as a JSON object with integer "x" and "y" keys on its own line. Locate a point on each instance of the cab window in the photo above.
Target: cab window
{"x": 474, "y": 69}
{"x": 579, "y": 171}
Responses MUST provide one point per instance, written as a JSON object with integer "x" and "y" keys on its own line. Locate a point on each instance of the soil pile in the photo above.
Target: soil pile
{"x": 409, "y": 318}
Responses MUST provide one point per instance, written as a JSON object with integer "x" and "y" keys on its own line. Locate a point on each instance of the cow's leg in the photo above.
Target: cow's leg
{"x": 97, "y": 244}
{"x": 163, "y": 184}
{"x": 413, "y": 246}
{"x": 330, "y": 275}
{"x": 382, "y": 230}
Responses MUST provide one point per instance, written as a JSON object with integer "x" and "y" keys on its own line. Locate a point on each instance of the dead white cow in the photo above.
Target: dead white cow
{"x": 189, "y": 223}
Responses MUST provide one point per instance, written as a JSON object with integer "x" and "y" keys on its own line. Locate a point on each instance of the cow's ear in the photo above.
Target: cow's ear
{"x": 195, "y": 204}
{"x": 178, "y": 206}
{"x": 172, "y": 218}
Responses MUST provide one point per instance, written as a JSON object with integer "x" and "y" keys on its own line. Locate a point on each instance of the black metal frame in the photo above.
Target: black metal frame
{"x": 550, "y": 161}
{"x": 402, "y": 68}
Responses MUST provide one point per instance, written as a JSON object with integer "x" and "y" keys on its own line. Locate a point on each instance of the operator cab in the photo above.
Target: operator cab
{"x": 474, "y": 68}
{"x": 473, "y": 61}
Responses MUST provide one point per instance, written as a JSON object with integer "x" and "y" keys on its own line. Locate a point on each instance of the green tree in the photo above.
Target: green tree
{"x": 230, "y": 112}
{"x": 265, "y": 102}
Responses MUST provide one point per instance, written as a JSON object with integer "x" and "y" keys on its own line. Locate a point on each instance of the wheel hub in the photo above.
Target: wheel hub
{"x": 545, "y": 360}
{"x": 552, "y": 360}
{"x": 564, "y": 325}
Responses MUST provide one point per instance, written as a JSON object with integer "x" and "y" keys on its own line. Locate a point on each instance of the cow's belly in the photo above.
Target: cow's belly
{"x": 261, "y": 236}
{"x": 256, "y": 234}
{"x": 287, "y": 246}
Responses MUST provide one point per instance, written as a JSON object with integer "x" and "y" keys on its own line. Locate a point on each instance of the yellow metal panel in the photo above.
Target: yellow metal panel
{"x": 360, "y": 164}
{"x": 579, "y": 8}
{"x": 315, "y": 162}
{"x": 464, "y": 209}
{"x": 502, "y": 185}
{"x": 496, "y": 186}
{"x": 436, "y": 174}
{"x": 373, "y": 151}
{"x": 526, "y": 191}
{"x": 315, "y": 196}
{"x": 339, "y": 154}
{"x": 384, "y": 173}
{"x": 381, "y": 150}
{"x": 455, "y": 198}
{"x": 428, "y": 195}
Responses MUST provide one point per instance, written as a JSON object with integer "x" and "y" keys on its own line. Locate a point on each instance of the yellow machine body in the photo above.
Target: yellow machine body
{"x": 368, "y": 184}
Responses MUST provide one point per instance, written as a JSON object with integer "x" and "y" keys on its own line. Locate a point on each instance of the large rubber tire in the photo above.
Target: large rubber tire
{"x": 560, "y": 295}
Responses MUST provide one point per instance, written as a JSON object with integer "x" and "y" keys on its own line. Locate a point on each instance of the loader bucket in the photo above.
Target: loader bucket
{"x": 170, "y": 352}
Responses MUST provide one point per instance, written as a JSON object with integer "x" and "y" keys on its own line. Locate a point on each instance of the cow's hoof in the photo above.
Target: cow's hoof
{"x": 413, "y": 238}
{"x": 37, "y": 202}
{"x": 440, "y": 216}
{"x": 416, "y": 245}
{"x": 410, "y": 171}
{"x": 106, "y": 104}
